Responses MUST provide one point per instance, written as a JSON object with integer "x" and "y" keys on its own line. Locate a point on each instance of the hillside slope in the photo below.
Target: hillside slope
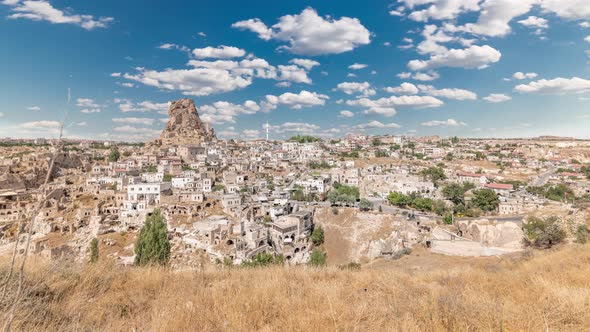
{"x": 533, "y": 292}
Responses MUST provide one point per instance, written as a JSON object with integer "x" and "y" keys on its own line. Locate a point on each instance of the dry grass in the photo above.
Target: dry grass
{"x": 532, "y": 293}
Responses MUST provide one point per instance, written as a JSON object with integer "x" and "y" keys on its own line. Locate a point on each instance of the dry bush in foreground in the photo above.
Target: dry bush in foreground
{"x": 551, "y": 290}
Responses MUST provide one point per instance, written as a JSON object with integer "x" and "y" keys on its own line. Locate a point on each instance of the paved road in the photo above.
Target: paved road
{"x": 515, "y": 219}
{"x": 542, "y": 179}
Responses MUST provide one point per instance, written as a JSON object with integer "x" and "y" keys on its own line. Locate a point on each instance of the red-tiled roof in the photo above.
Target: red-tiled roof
{"x": 500, "y": 186}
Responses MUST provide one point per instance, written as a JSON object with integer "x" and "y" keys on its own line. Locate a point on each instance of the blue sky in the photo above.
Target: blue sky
{"x": 472, "y": 68}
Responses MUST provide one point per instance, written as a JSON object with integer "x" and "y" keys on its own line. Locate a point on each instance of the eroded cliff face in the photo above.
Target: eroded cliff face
{"x": 356, "y": 236}
{"x": 31, "y": 171}
{"x": 185, "y": 125}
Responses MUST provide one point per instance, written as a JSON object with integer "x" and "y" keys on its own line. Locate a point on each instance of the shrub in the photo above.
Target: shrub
{"x": 335, "y": 211}
{"x": 401, "y": 253}
{"x": 543, "y": 233}
{"x": 94, "y": 251}
{"x": 439, "y": 207}
{"x": 365, "y": 205}
{"x": 227, "y": 262}
{"x": 352, "y": 266}
{"x": 153, "y": 246}
{"x": 318, "y": 258}
{"x": 448, "y": 219}
{"x": 581, "y": 234}
{"x": 264, "y": 259}
{"x": 317, "y": 236}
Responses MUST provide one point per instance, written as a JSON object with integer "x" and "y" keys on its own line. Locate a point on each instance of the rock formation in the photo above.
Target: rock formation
{"x": 185, "y": 127}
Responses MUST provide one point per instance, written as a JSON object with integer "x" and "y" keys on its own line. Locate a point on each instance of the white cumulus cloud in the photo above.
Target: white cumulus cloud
{"x": 521, "y": 76}
{"x": 469, "y": 58}
{"x": 41, "y": 10}
{"x": 220, "y": 52}
{"x": 296, "y": 100}
{"x": 376, "y": 125}
{"x": 357, "y": 66}
{"x": 558, "y": 85}
{"x": 534, "y": 22}
{"x": 364, "y": 89}
{"x": 497, "y": 98}
{"x": 346, "y": 114}
{"x": 308, "y": 33}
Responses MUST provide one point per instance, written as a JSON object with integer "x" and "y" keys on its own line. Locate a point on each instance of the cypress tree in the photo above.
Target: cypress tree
{"x": 153, "y": 246}
{"x": 94, "y": 251}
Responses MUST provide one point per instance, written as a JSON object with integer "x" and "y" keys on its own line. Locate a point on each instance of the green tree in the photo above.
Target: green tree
{"x": 485, "y": 199}
{"x": 167, "y": 177}
{"x": 153, "y": 246}
{"x": 298, "y": 195}
{"x": 399, "y": 199}
{"x": 114, "y": 155}
{"x": 381, "y": 154}
{"x": 218, "y": 187}
{"x": 318, "y": 258}
{"x": 318, "y": 165}
{"x": 543, "y": 232}
{"x": 434, "y": 174}
{"x": 317, "y": 236}
{"x": 94, "y": 250}
{"x": 439, "y": 207}
{"x": 423, "y": 204}
{"x": 560, "y": 192}
{"x": 151, "y": 169}
{"x": 304, "y": 139}
{"x": 342, "y": 194}
{"x": 455, "y": 193}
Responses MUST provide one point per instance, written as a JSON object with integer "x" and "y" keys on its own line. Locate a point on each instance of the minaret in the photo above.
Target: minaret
{"x": 267, "y": 129}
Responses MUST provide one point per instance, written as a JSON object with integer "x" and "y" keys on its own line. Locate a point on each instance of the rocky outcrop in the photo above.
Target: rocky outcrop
{"x": 185, "y": 126}
{"x": 356, "y": 236}
{"x": 493, "y": 234}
